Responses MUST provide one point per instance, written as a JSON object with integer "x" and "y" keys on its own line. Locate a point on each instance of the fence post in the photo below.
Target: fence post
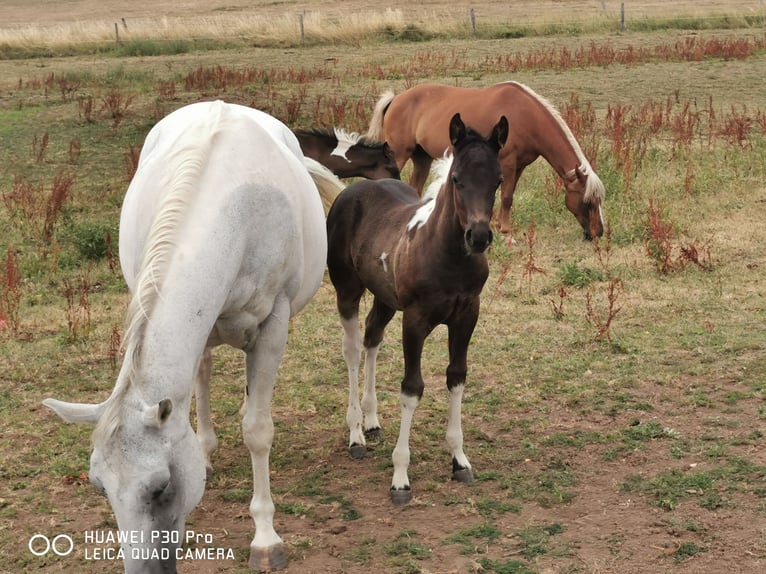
{"x": 116, "y": 33}
{"x": 622, "y": 16}
{"x": 303, "y": 30}
{"x": 472, "y": 19}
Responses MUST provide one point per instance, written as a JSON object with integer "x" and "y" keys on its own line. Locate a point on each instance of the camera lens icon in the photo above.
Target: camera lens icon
{"x": 60, "y": 545}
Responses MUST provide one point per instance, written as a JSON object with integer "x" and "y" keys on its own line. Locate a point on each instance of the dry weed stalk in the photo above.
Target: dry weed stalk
{"x": 530, "y": 263}
{"x": 660, "y": 245}
{"x": 115, "y": 346}
{"x": 77, "y": 307}
{"x": 55, "y": 203}
{"x": 40, "y": 146}
{"x": 116, "y": 105}
{"x": 11, "y": 292}
{"x": 602, "y": 320}
{"x": 557, "y": 305}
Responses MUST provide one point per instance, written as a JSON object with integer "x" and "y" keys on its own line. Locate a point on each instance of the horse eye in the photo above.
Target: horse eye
{"x": 455, "y": 179}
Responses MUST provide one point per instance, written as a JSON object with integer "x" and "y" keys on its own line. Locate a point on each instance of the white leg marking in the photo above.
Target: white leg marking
{"x": 454, "y": 427}
{"x": 369, "y": 398}
{"x": 401, "y": 454}
{"x": 352, "y": 353}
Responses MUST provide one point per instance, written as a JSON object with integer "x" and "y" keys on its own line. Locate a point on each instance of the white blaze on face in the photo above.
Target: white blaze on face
{"x": 421, "y": 215}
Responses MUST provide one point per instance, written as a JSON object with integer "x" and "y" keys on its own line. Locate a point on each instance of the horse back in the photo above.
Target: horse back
{"x": 420, "y": 116}
{"x": 364, "y": 228}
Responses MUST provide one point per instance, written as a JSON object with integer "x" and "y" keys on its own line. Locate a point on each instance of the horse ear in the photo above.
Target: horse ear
{"x": 581, "y": 174}
{"x": 76, "y": 412}
{"x": 500, "y": 132}
{"x": 456, "y": 129}
{"x": 387, "y": 151}
{"x": 157, "y": 414}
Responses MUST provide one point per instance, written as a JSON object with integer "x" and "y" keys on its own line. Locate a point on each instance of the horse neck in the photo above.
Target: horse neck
{"x": 551, "y": 138}
{"x": 447, "y": 229}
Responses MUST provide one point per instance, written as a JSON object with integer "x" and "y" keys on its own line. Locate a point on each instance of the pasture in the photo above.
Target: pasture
{"x": 615, "y": 409}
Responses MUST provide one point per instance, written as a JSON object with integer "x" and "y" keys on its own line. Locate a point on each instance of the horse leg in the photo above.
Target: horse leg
{"x": 460, "y": 331}
{"x": 352, "y": 353}
{"x": 507, "y": 189}
{"x": 375, "y": 324}
{"x": 262, "y": 360}
{"x": 414, "y": 331}
{"x": 421, "y": 167}
{"x": 205, "y": 431}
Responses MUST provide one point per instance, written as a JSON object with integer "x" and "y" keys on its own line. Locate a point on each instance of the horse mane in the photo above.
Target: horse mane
{"x": 342, "y": 136}
{"x": 439, "y": 172}
{"x": 185, "y": 163}
{"x": 594, "y": 187}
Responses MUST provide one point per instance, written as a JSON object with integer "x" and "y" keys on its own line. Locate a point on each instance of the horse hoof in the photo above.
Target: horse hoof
{"x": 373, "y": 434}
{"x": 463, "y": 475}
{"x": 358, "y": 451}
{"x": 401, "y": 496}
{"x": 268, "y": 559}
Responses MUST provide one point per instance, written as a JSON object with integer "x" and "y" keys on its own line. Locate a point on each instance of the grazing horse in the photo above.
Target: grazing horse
{"x": 413, "y": 125}
{"x": 348, "y": 154}
{"x": 222, "y": 240}
{"x": 427, "y": 259}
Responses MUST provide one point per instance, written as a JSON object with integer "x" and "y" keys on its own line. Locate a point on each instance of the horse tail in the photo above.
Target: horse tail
{"x": 328, "y": 185}
{"x": 375, "y": 132}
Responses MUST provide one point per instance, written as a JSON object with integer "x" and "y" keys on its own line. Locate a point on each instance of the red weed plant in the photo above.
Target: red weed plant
{"x": 557, "y": 305}
{"x": 116, "y": 104}
{"x": 40, "y": 146}
{"x": 659, "y": 237}
{"x": 603, "y": 318}
{"x": 77, "y": 309}
{"x": 530, "y": 261}
{"x": 131, "y": 161}
{"x": 115, "y": 346}
{"x": 85, "y": 109}
{"x": 74, "y": 151}
{"x": 60, "y": 192}
{"x": 11, "y": 292}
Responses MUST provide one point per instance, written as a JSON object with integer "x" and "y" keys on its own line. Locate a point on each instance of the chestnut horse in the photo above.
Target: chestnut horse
{"x": 427, "y": 259}
{"x": 413, "y": 125}
{"x": 348, "y": 154}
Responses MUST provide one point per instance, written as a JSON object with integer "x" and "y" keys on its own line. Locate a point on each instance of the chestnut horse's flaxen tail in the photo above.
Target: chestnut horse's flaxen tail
{"x": 375, "y": 132}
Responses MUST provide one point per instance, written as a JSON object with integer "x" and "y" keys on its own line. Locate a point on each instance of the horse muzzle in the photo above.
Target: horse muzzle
{"x": 478, "y": 238}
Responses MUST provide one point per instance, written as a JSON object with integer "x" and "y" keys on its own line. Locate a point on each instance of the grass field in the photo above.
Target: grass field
{"x": 614, "y": 411}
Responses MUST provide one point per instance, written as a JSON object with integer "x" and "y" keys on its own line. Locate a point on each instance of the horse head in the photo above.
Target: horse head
{"x": 148, "y": 462}
{"x": 475, "y": 176}
{"x": 584, "y": 195}
{"x": 373, "y": 160}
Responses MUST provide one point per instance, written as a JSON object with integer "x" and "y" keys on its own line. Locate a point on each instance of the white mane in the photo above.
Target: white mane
{"x": 594, "y": 187}
{"x": 346, "y": 140}
{"x": 183, "y": 166}
{"x": 439, "y": 171}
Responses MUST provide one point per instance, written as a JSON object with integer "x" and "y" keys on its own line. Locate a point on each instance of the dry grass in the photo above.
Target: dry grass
{"x": 38, "y": 23}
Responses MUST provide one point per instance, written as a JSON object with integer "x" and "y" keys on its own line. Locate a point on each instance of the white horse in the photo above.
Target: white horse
{"x": 222, "y": 240}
